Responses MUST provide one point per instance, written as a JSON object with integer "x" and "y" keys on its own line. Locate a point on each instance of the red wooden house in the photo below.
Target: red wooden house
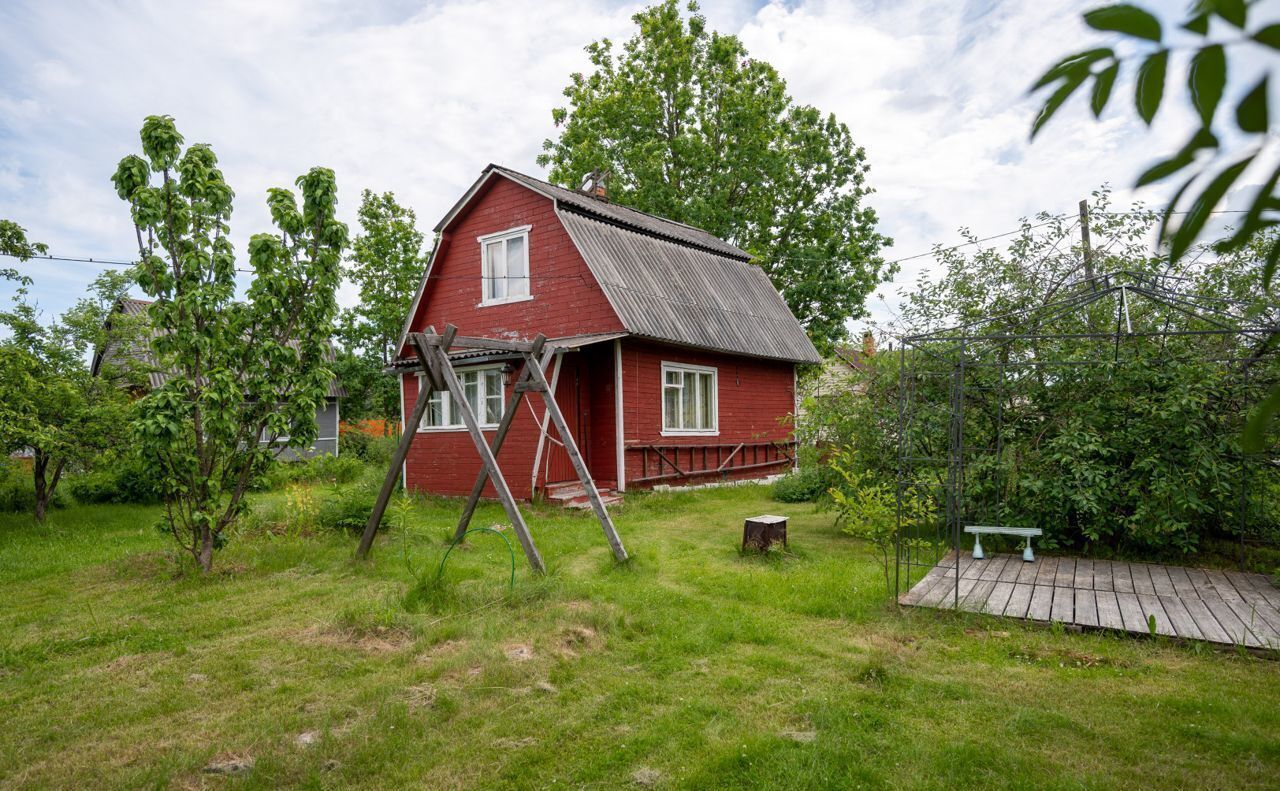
{"x": 680, "y": 355}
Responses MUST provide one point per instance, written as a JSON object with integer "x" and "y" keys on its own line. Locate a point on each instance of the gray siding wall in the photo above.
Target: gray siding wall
{"x": 326, "y": 436}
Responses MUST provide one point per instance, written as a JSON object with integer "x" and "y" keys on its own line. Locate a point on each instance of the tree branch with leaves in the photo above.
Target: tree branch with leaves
{"x": 1218, "y": 152}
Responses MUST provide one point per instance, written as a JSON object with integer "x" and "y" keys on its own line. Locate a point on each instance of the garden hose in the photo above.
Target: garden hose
{"x": 456, "y": 541}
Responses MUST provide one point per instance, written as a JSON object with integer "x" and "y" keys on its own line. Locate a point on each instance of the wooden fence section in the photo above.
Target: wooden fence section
{"x": 670, "y": 462}
{"x": 1227, "y": 607}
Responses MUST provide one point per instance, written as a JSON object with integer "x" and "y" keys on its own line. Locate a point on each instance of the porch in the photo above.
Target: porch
{"x": 1224, "y": 607}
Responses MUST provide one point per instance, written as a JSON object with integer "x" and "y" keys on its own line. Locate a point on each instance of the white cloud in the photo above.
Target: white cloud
{"x": 416, "y": 97}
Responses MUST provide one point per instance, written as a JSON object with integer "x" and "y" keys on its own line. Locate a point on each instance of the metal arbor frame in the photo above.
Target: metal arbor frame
{"x": 432, "y": 351}
{"x": 943, "y": 373}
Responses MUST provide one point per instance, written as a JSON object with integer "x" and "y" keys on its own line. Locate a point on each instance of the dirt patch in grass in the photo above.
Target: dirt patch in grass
{"x": 519, "y": 652}
{"x": 442, "y": 650}
{"x": 423, "y": 696}
{"x": 382, "y": 640}
{"x": 575, "y": 640}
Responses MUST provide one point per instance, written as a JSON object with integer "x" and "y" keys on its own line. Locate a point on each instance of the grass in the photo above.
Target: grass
{"x": 690, "y": 667}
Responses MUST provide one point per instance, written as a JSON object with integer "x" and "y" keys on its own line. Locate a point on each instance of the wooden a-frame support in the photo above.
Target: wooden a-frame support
{"x": 432, "y": 351}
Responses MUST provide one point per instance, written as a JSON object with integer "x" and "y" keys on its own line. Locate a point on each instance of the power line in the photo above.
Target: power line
{"x": 1023, "y": 229}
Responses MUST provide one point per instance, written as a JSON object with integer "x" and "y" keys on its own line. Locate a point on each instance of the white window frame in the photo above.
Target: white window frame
{"x": 502, "y": 237}
{"x": 683, "y": 368}
{"x": 454, "y": 422}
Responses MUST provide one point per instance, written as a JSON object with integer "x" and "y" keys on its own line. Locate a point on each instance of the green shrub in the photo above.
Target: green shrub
{"x": 348, "y": 509}
{"x": 805, "y": 485}
{"x": 116, "y": 479}
{"x": 17, "y": 489}
{"x": 319, "y": 469}
{"x": 366, "y": 447}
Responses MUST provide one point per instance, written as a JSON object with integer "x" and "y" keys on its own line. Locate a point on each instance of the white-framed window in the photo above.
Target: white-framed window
{"x": 689, "y": 402}
{"x": 504, "y": 266}
{"x": 483, "y": 388}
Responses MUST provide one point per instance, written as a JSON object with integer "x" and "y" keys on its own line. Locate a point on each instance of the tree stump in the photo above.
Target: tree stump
{"x": 759, "y": 532}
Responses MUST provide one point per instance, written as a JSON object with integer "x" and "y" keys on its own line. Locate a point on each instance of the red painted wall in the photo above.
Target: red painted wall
{"x": 566, "y": 298}
{"x": 753, "y": 394}
{"x": 566, "y": 301}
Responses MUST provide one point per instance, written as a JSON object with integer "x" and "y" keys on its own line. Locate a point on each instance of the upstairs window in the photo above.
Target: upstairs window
{"x": 484, "y": 391}
{"x": 689, "y": 399}
{"x": 504, "y": 263}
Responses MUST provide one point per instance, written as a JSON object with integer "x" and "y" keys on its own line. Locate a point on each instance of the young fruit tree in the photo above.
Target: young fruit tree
{"x": 53, "y": 405}
{"x": 243, "y": 376}
{"x": 385, "y": 263}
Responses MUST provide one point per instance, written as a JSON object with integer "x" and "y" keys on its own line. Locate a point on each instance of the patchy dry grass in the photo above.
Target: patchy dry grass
{"x": 690, "y": 667}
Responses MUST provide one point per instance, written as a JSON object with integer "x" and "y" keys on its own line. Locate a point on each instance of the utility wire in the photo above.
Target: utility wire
{"x": 1055, "y": 219}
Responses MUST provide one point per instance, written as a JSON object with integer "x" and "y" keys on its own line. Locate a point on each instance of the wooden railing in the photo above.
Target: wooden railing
{"x": 665, "y": 462}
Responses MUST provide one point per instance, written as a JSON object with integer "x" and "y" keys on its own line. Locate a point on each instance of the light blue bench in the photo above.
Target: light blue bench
{"x": 978, "y": 531}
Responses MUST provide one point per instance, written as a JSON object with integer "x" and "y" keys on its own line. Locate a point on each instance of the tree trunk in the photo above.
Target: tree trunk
{"x": 41, "y": 463}
{"x": 205, "y": 556}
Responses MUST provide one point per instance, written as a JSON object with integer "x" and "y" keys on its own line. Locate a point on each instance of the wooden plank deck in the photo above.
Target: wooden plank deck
{"x": 1227, "y": 607}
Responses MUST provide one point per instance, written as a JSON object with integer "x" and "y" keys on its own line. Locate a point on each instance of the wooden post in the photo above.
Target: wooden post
{"x": 571, "y": 447}
{"x": 430, "y": 381}
{"x": 486, "y": 456}
{"x": 503, "y": 426}
{"x": 1086, "y": 248}
{"x": 542, "y": 424}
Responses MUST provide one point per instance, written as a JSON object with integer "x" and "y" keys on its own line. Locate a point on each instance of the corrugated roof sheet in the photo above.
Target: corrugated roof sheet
{"x": 674, "y": 292}
{"x": 142, "y": 356}
{"x": 612, "y": 212}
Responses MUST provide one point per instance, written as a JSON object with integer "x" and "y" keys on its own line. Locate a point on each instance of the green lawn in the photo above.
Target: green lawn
{"x": 692, "y": 667}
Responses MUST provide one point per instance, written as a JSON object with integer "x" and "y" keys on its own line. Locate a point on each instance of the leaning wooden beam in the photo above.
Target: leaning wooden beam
{"x": 468, "y": 342}
{"x": 408, "y": 431}
{"x": 580, "y": 466}
{"x": 513, "y": 406}
{"x": 460, "y": 403}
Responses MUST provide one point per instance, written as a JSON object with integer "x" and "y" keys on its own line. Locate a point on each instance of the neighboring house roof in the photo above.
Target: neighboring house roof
{"x": 853, "y": 357}
{"x": 666, "y": 281}
{"x": 141, "y": 355}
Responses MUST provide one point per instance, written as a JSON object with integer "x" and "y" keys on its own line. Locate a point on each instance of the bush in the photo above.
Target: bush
{"x": 319, "y": 469}
{"x": 369, "y": 448}
{"x": 17, "y": 489}
{"x": 348, "y": 509}
{"x": 117, "y": 479}
{"x": 805, "y": 485}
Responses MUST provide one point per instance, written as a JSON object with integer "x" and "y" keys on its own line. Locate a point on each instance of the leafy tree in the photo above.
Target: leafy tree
{"x": 14, "y": 243}
{"x": 386, "y": 264}
{"x": 690, "y": 127}
{"x": 239, "y": 371}
{"x": 1132, "y": 444}
{"x": 1218, "y": 152}
{"x": 52, "y": 404}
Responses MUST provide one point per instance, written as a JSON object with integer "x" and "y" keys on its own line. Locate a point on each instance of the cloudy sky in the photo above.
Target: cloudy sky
{"x": 416, "y": 96}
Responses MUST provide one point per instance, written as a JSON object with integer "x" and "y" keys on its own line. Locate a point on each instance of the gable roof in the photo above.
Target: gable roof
{"x": 666, "y": 281}
{"x": 572, "y": 200}
{"x": 141, "y": 355}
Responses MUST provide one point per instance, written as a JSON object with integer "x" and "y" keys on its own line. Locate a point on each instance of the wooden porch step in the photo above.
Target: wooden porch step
{"x": 573, "y": 494}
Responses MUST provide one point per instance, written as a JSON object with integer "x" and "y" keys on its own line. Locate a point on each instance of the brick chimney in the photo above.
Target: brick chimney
{"x": 594, "y": 184}
{"x": 868, "y": 344}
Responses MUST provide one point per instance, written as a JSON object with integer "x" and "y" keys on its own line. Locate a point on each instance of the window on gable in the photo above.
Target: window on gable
{"x": 689, "y": 404}
{"x": 484, "y": 392}
{"x": 505, "y": 266}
